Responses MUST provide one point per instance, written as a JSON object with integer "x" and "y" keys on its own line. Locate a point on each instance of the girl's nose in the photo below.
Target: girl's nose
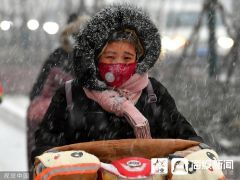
{"x": 119, "y": 60}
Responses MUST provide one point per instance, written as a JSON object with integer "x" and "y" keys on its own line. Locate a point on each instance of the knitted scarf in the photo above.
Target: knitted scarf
{"x": 121, "y": 102}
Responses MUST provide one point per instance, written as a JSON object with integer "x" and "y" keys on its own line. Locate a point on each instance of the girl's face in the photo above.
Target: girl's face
{"x": 118, "y": 52}
{"x": 117, "y": 63}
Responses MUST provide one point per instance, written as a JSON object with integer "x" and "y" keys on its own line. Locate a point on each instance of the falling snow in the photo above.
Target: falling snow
{"x": 206, "y": 94}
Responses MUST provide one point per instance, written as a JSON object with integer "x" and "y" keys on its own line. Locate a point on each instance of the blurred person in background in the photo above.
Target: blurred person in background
{"x": 1, "y": 92}
{"x": 56, "y": 70}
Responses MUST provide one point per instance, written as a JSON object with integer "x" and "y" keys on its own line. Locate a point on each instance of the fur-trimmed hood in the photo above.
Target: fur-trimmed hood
{"x": 94, "y": 36}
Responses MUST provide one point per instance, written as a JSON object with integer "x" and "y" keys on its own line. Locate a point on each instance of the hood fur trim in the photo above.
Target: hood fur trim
{"x": 97, "y": 32}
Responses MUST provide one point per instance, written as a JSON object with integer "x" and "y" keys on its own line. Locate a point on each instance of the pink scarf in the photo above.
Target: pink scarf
{"x": 122, "y": 100}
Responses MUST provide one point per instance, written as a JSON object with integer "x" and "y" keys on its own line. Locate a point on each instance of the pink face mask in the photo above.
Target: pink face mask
{"x": 116, "y": 74}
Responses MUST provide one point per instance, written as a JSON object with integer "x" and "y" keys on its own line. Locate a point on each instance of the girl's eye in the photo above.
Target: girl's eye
{"x": 127, "y": 58}
{"x": 110, "y": 57}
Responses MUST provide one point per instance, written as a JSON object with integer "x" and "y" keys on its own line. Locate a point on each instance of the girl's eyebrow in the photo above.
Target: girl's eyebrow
{"x": 128, "y": 53}
{"x": 110, "y": 52}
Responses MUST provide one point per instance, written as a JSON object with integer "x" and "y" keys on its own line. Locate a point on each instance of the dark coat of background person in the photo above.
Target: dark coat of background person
{"x": 59, "y": 58}
{"x": 89, "y": 122}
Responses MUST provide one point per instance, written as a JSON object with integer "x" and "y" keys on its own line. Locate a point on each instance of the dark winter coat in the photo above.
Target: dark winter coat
{"x": 90, "y": 122}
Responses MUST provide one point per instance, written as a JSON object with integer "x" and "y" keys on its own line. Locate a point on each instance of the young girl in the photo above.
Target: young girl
{"x": 112, "y": 96}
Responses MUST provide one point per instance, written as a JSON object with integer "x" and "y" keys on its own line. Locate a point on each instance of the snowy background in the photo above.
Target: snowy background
{"x": 13, "y": 133}
{"x": 205, "y": 86}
